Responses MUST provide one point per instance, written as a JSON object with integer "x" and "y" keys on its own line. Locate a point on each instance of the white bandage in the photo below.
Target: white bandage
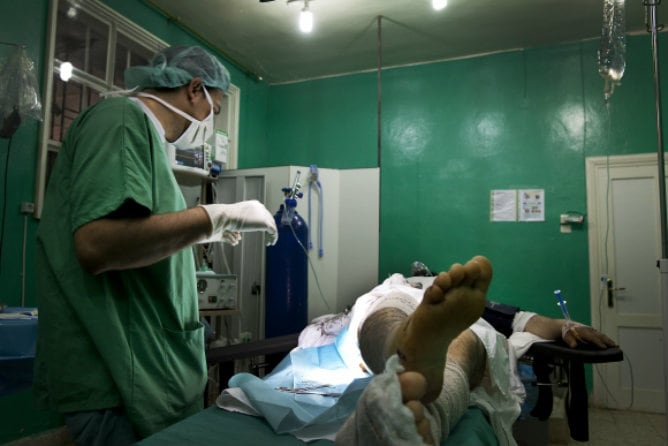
{"x": 520, "y": 320}
{"x": 570, "y": 326}
{"x": 395, "y": 299}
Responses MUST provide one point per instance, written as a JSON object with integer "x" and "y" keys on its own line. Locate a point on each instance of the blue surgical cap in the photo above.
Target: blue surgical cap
{"x": 176, "y": 66}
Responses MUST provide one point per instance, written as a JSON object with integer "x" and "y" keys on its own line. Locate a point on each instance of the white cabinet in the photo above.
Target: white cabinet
{"x": 348, "y": 266}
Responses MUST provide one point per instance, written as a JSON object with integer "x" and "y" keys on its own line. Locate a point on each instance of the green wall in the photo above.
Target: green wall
{"x": 330, "y": 122}
{"x": 453, "y": 131}
{"x": 508, "y": 121}
{"x": 23, "y": 23}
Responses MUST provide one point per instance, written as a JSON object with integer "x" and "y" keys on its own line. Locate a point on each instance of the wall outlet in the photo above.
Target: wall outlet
{"x": 566, "y": 219}
{"x": 27, "y": 207}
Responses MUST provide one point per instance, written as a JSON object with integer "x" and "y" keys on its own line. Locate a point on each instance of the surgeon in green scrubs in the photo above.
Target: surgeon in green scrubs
{"x": 120, "y": 349}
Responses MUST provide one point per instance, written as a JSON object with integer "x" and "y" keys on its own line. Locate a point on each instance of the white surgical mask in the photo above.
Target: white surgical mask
{"x": 197, "y": 132}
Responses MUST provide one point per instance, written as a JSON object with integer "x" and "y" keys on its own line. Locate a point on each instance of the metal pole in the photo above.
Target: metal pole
{"x": 663, "y": 262}
{"x": 659, "y": 130}
{"x": 379, "y": 87}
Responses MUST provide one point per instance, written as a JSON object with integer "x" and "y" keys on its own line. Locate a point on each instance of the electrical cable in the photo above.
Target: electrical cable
{"x": 209, "y": 251}
{"x": 605, "y": 275}
{"x": 607, "y": 389}
{"x": 321, "y": 220}
{"x": 226, "y": 263}
{"x": 315, "y": 275}
{"x": 228, "y": 339}
{"x": 23, "y": 260}
{"x": 603, "y": 284}
{"x": 4, "y": 201}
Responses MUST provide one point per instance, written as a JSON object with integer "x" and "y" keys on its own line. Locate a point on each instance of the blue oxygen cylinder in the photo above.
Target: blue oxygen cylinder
{"x": 286, "y": 284}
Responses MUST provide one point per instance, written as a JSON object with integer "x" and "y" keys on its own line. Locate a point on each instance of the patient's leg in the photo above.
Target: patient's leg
{"x": 422, "y": 340}
{"x": 454, "y": 302}
{"x": 463, "y": 371}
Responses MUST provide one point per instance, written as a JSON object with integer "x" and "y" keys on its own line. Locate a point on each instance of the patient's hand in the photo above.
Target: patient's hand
{"x": 575, "y": 334}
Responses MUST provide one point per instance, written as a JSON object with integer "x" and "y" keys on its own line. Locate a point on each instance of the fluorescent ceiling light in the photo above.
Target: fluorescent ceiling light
{"x": 306, "y": 20}
{"x": 439, "y": 4}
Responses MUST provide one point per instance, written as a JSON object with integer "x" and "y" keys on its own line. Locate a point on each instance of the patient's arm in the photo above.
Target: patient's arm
{"x": 572, "y": 333}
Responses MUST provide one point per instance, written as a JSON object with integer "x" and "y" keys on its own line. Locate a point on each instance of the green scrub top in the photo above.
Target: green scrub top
{"x": 128, "y": 338}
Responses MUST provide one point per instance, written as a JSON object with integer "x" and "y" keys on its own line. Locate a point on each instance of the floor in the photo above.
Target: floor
{"x": 623, "y": 428}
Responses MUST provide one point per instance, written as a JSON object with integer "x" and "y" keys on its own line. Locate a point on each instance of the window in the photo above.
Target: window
{"x": 99, "y": 44}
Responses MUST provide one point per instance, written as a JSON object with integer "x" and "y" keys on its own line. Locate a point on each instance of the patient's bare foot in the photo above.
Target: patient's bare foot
{"x": 454, "y": 301}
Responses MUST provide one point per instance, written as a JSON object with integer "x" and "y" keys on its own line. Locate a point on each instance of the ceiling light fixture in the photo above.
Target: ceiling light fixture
{"x": 306, "y": 19}
{"x": 439, "y": 4}
{"x": 73, "y": 9}
{"x": 65, "y": 70}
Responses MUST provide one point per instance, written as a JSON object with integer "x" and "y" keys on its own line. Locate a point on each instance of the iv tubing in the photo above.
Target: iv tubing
{"x": 315, "y": 183}
{"x": 310, "y": 240}
{"x": 321, "y": 205}
{"x": 308, "y": 258}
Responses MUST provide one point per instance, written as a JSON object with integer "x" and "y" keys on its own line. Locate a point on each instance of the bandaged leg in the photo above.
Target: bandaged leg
{"x": 390, "y": 413}
{"x": 464, "y": 369}
{"x": 451, "y": 304}
{"x": 422, "y": 341}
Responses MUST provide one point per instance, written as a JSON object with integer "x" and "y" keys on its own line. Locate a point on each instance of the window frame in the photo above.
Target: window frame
{"x": 130, "y": 30}
{"x": 231, "y": 125}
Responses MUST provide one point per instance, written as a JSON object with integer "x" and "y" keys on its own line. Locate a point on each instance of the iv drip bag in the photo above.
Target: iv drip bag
{"x": 612, "y": 52}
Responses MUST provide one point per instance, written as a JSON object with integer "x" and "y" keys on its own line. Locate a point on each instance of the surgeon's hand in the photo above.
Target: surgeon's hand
{"x": 231, "y": 237}
{"x": 228, "y": 221}
{"x": 575, "y": 333}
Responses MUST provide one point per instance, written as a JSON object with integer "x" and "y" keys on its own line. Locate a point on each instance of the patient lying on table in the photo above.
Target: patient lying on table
{"x": 442, "y": 358}
{"x": 446, "y": 360}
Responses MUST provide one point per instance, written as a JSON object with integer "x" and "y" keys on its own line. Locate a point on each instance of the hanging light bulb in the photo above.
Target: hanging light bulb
{"x": 306, "y": 19}
{"x": 439, "y": 4}
{"x": 73, "y": 9}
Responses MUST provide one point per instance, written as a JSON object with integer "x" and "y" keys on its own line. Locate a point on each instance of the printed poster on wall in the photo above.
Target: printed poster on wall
{"x": 503, "y": 205}
{"x": 531, "y": 204}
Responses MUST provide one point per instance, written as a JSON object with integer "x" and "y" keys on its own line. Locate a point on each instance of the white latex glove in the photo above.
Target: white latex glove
{"x": 228, "y": 221}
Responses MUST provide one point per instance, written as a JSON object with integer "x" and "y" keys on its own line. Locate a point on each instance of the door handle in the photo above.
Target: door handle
{"x": 611, "y": 290}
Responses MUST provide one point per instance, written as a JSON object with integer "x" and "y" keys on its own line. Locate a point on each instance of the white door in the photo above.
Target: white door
{"x": 624, "y": 246}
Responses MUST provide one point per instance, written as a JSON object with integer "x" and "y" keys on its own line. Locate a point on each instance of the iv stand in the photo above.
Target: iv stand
{"x": 663, "y": 262}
